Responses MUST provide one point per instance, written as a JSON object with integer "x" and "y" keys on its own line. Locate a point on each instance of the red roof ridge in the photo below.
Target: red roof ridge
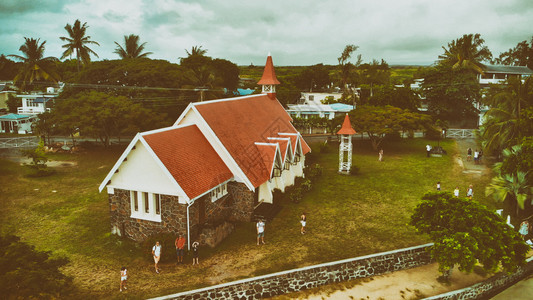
{"x": 346, "y": 127}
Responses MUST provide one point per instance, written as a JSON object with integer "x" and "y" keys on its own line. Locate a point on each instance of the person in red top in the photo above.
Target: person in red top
{"x": 180, "y": 245}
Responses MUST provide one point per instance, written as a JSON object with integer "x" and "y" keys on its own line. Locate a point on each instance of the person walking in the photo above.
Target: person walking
{"x": 456, "y": 191}
{"x": 470, "y": 192}
{"x": 180, "y": 245}
{"x": 479, "y": 156}
{"x": 428, "y": 150}
{"x": 156, "y": 253}
{"x": 438, "y": 185}
{"x": 123, "y": 278}
{"x": 469, "y": 154}
{"x": 303, "y": 221}
{"x": 476, "y": 157}
{"x": 195, "y": 253}
{"x": 260, "y": 232}
{"x": 380, "y": 155}
{"x": 524, "y": 229}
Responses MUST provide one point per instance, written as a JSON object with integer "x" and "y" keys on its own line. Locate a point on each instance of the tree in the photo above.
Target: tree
{"x": 196, "y": 58}
{"x": 465, "y": 232}
{"x": 513, "y": 189}
{"x": 12, "y": 103}
{"x": 521, "y": 55}
{"x": 346, "y": 68}
{"x": 103, "y": 116}
{"x": 34, "y": 65}
{"x": 379, "y": 121}
{"x": 466, "y": 52}
{"x": 77, "y": 42}
{"x": 313, "y": 77}
{"x": 131, "y": 48}
{"x": 8, "y": 68}
{"x": 402, "y": 97}
{"x": 451, "y": 94}
{"x": 44, "y": 126}
{"x": 506, "y": 120}
{"x": 226, "y": 73}
{"x": 26, "y": 273}
{"x": 374, "y": 73}
{"x": 38, "y": 160}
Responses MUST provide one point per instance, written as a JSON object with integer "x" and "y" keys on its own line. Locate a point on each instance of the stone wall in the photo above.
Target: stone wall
{"x": 173, "y": 217}
{"x": 213, "y": 235}
{"x": 489, "y": 287}
{"x": 312, "y": 276}
{"x": 241, "y": 202}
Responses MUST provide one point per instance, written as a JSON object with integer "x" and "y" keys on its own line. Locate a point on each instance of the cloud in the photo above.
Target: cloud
{"x": 295, "y": 32}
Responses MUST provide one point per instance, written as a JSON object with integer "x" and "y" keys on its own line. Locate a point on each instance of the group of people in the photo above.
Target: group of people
{"x": 469, "y": 191}
{"x": 260, "y": 226}
{"x": 180, "y": 251}
{"x": 478, "y": 154}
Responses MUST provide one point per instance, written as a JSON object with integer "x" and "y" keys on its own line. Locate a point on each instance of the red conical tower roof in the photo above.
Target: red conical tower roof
{"x": 346, "y": 127}
{"x": 269, "y": 76}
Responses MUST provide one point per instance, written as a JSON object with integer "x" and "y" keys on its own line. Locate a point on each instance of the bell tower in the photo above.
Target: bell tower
{"x": 269, "y": 81}
{"x": 345, "y": 147}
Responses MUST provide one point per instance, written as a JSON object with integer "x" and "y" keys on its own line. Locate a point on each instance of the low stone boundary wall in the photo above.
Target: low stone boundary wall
{"x": 312, "y": 276}
{"x": 489, "y": 287}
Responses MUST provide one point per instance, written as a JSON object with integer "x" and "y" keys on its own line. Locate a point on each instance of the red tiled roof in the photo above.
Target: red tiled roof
{"x": 294, "y": 139}
{"x": 346, "y": 127}
{"x": 189, "y": 157}
{"x": 268, "y": 155}
{"x": 241, "y": 122}
{"x": 283, "y": 144}
{"x": 269, "y": 75}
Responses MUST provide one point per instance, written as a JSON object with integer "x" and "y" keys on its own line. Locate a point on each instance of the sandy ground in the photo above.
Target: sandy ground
{"x": 414, "y": 283}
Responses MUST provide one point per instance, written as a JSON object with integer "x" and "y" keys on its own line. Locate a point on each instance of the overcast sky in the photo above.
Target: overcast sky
{"x": 294, "y": 32}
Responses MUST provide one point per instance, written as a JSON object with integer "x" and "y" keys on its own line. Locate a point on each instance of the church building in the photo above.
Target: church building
{"x": 213, "y": 167}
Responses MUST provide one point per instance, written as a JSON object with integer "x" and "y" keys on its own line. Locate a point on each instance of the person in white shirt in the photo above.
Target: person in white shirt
{"x": 156, "y": 252}
{"x": 428, "y": 150}
{"x": 260, "y": 232}
{"x": 123, "y": 278}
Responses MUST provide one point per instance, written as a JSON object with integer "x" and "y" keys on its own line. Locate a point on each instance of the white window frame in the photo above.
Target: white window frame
{"x": 145, "y": 213}
{"x": 219, "y": 192}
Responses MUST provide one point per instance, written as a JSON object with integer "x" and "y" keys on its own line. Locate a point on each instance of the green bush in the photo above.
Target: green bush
{"x": 168, "y": 248}
{"x": 306, "y": 185}
{"x": 296, "y": 194}
{"x": 313, "y": 171}
{"x": 26, "y": 273}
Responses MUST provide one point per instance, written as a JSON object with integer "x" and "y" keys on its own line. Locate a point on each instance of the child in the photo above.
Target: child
{"x": 456, "y": 191}
{"x": 195, "y": 253}
{"x": 470, "y": 192}
{"x": 303, "y": 220}
{"x": 123, "y": 278}
{"x": 438, "y": 185}
{"x": 524, "y": 229}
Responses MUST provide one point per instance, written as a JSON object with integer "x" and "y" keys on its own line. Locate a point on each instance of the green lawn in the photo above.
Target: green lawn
{"x": 347, "y": 216}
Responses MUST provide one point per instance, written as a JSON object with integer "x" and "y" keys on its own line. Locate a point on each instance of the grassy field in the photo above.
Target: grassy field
{"x": 347, "y": 216}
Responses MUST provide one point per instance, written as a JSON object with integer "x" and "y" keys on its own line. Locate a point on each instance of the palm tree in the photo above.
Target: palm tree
{"x": 510, "y": 188}
{"x": 76, "y": 42}
{"x": 196, "y": 51}
{"x": 131, "y": 49}
{"x": 35, "y": 66}
{"x": 466, "y": 52}
{"x": 503, "y": 126}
